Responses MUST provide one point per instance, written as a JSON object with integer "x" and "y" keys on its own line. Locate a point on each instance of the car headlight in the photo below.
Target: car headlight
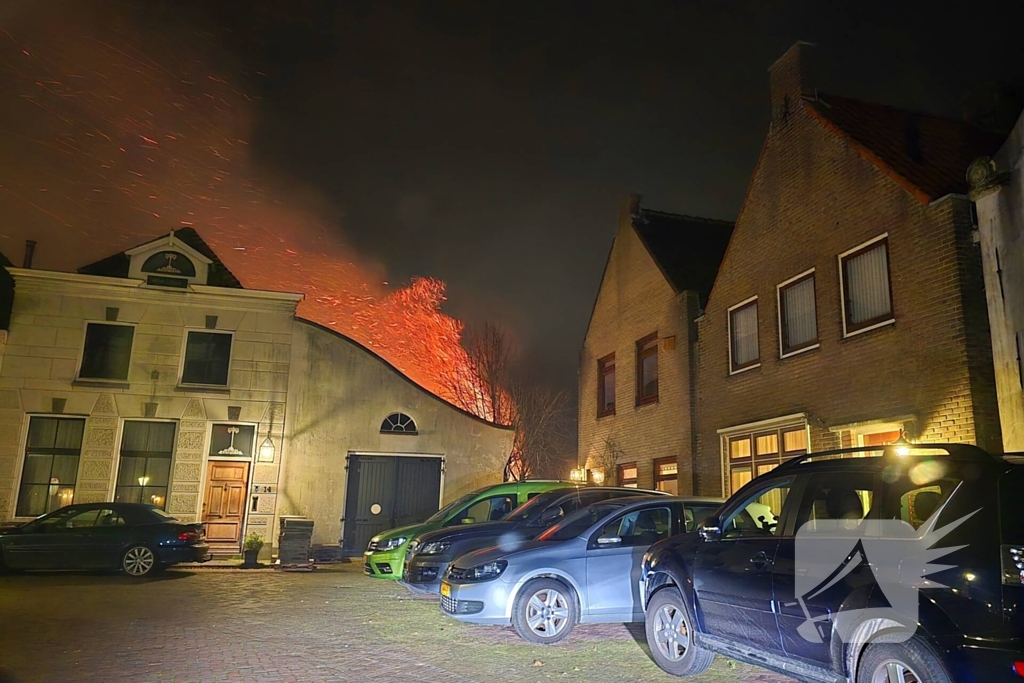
{"x": 435, "y": 548}
{"x": 390, "y": 543}
{"x": 481, "y": 572}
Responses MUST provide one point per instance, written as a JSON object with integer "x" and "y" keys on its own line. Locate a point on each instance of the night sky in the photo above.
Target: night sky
{"x": 485, "y": 144}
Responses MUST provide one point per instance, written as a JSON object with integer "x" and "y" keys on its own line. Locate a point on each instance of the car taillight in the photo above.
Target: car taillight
{"x": 1018, "y": 667}
{"x": 189, "y": 536}
{"x": 1013, "y": 566}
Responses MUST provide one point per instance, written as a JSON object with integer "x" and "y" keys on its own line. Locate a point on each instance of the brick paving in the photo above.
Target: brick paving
{"x": 261, "y": 627}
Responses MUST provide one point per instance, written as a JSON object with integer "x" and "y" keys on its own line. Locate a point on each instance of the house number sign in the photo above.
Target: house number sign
{"x": 264, "y": 488}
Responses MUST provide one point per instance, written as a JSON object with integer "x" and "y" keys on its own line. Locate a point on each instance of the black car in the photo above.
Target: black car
{"x": 136, "y": 539}
{"x": 430, "y": 554}
{"x": 742, "y": 586}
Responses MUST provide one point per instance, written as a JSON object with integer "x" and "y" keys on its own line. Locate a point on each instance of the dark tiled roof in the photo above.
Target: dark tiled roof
{"x": 116, "y": 265}
{"x": 924, "y": 154}
{"x": 688, "y": 250}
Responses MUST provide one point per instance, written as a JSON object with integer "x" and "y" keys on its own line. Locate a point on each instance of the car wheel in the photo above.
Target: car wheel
{"x": 670, "y": 631}
{"x": 138, "y": 561}
{"x": 545, "y": 611}
{"x": 907, "y": 662}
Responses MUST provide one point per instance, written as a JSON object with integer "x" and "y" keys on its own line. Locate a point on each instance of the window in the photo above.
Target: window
{"x": 398, "y": 423}
{"x": 207, "y": 355}
{"x": 486, "y": 510}
{"x": 752, "y": 454}
{"x": 606, "y": 386}
{"x": 145, "y": 468}
{"x": 694, "y": 514}
{"x": 842, "y": 498}
{"x": 230, "y": 439}
{"x": 743, "y": 349}
{"x": 641, "y": 528}
{"x": 760, "y": 514}
{"x": 107, "y": 351}
{"x": 798, "y": 323}
{"x": 51, "y": 465}
{"x": 865, "y": 285}
{"x": 628, "y": 475}
{"x": 666, "y": 475}
{"x": 647, "y": 370}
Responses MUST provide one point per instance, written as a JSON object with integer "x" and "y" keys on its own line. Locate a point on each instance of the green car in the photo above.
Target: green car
{"x": 385, "y": 555}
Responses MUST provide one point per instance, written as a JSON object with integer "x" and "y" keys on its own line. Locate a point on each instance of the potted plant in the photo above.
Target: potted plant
{"x": 251, "y": 547}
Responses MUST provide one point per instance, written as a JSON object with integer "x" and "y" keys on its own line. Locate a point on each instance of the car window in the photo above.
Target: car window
{"x": 578, "y": 522}
{"x": 533, "y": 508}
{"x": 441, "y": 514}
{"x": 640, "y": 527}
{"x": 108, "y": 518}
{"x": 55, "y": 521}
{"x": 915, "y": 495}
{"x": 843, "y": 497}
{"x": 486, "y": 510}
{"x": 760, "y": 513}
{"x": 693, "y": 515}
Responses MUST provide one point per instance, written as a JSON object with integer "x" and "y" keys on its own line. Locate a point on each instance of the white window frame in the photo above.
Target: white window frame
{"x": 81, "y": 352}
{"x": 752, "y": 366}
{"x": 842, "y": 287}
{"x": 778, "y": 308}
{"x": 184, "y": 351}
{"x": 112, "y": 484}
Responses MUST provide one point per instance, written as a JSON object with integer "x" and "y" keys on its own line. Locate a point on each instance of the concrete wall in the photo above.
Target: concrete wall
{"x": 634, "y": 301}
{"x": 44, "y": 349}
{"x": 339, "y": 395}
{"x": 1001, "y": 224}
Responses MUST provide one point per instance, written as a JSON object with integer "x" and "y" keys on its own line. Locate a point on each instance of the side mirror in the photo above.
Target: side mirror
{"x": 609, "y": 540}
{"x": 551, "y": 514}
{"x": 468, "y": 520}
{"x": 710, "y": 529}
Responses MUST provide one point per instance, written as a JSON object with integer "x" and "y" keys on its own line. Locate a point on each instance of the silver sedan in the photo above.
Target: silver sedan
{"x": 585, "y": 569}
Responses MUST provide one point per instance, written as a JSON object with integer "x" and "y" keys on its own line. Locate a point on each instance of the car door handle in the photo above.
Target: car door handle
{"x": 760, "y": 560}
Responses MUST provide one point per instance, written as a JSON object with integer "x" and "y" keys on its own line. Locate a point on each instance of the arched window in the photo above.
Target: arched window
{"x": 398, "y": 423}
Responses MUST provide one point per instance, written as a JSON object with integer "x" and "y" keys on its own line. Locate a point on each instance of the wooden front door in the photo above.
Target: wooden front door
{"x": 224, "y": 503}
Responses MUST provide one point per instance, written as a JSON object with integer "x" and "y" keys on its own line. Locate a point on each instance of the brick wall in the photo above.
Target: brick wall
{"x": 634, "y": 301}
{"x": 811, "y": 198}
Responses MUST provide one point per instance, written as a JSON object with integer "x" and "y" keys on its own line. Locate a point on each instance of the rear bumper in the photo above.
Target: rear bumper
{"x": 387, "y": 565}
{"x": 190, "y": 553}
{"x": 985, "y": 664}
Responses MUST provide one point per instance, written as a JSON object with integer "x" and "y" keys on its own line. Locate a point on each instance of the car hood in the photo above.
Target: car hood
{"x": 409, "y": 530}
{"x": 499, "y": 553}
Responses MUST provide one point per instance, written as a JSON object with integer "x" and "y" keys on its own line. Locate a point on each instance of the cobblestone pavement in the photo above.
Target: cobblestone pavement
{"x": 262, "y": 626}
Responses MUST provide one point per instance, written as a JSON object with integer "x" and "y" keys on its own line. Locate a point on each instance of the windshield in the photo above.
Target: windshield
{"x": 441, "y": 514}
{"x": 161, "y": 514}
{"x": 579, "y": 521}
{"x": 533, "y": 508}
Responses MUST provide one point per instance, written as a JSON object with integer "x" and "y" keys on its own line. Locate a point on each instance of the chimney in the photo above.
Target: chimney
{"x": 787, "y": 83}
{"x": 30, "y": 249}
{"x": 629, "y": 208}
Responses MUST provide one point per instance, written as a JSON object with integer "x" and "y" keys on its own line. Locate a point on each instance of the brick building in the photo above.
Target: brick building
{"x": 997, "y": 185}
{"x": 637, "y": 358}
{"x": 849, "y": 304}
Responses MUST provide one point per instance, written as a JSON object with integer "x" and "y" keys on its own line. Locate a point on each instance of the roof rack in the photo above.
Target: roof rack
{"x": 961, "y": 451}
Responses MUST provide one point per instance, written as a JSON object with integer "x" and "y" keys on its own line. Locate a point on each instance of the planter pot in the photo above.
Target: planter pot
{"x": 250, "y": 557}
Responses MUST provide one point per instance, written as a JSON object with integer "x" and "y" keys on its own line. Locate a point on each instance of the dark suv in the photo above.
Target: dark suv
{"x": 807, "y": 569}
{"x": 430, "y": 554}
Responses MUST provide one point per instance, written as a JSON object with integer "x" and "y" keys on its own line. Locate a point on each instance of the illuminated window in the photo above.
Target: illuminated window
{"x": 144, "y": 472}
{"x": 107, "y": 351}
{"x": 606, "y": 386}
{"x": 744, "y": 352}
{"x": 51, "y": 465}
{"x": 666, "y": 475}
{"x": 398, "y": 423}
{"x": 798, "y": 324}
{"x": 865, "y": 285}
{"x": 757, "y": 453}
{"x": 628, "y": 475}
{"x": 647, "y": 370}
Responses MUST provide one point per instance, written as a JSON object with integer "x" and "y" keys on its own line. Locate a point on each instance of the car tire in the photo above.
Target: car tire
{"x": 545, "y": 611}
{"x": 139, "y": 560}
{"x": 911, "y": 660}
{"x": 669, "y": 629}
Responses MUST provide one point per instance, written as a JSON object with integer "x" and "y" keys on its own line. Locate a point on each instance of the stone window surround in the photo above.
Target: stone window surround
{"x": 81, "y": 354}
{"x": 23, "y": 454}
{"x": 856, "y": 251}
{"x": 777, "y": 424}
{"x": 780, "y": 307}
{"x": 116, "y": 469}
{"x": 184, "y": 351}
{"x": 756, "y": 363}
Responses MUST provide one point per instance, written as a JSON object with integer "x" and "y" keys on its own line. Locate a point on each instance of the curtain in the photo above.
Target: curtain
{"x": 867, "y": 285}
{"x": 744, "y": 335}
{"x": 801, "y": 325}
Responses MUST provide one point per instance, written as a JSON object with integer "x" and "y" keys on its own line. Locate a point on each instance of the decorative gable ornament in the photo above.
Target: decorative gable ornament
{"x": 168, "y": 262}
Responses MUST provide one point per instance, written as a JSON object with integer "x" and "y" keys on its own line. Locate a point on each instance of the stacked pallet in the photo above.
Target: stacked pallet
{"x": 293, "y": 542}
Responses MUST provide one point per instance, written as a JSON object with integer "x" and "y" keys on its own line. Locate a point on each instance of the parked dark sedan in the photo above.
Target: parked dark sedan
{"x": 136, "y": 539}
{"x": 430, "y": 554}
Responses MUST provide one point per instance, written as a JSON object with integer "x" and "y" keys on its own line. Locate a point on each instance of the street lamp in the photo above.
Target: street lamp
{"x": 902, "y": 445}
{"x": 267, "y": 450}
{"x": 578, "y": 474}
{"x": 597, "y": 476}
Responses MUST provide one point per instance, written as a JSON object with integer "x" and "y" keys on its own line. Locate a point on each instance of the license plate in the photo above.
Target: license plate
{"x": 446, "y": 590}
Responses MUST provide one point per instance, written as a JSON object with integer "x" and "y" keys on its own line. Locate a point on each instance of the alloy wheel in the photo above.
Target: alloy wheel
{"x": 894, "y": 671}
{"x": 138, "y": 561}
{"x": 671, "y": 633}
{"x": 547, "y": 612}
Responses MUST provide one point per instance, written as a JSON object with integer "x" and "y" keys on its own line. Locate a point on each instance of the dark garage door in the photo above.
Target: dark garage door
{"x": 385, "y": 491}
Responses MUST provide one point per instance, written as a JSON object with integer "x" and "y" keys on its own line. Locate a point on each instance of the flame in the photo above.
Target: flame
{"x": 118, "y": 131}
